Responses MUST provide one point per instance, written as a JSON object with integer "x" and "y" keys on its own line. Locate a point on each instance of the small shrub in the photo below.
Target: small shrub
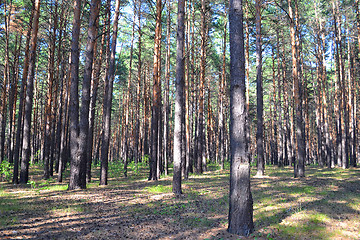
{"x": 6, "y": 170}
{"x": 145, "y": 159}
{"x": 33, "y": 184}
{"x": 116, "y": 169}
{"x": 134, "y": 167}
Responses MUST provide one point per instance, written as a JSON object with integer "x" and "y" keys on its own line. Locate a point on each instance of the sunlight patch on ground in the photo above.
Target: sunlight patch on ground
{"x": 303, "y": 224}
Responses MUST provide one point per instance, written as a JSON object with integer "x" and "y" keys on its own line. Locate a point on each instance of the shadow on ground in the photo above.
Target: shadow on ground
{"x": 323, "y": 206}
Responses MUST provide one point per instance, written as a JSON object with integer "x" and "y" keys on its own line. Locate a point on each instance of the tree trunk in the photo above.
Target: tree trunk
{"x": 105, "y": 138}
{"x": 138, "y": 92}
{"x": 351, "y": 105}
{"x": 187, "y": 132}
{"x": 13, "y": 94}
{"x": 299, "y": 167}
{"x": 26, "y": 151}
{"x": 128, "y": 100}
{"x": 259, "y": 95}
{"x": 156, "y": 108}
{"x": 167, "y": 89}
{"x": 75, "y": 164}
{"x": 22, "y": 93}
{"x": 201, "y": 126}
{"x": 240, "y": 199}
{"x": 179, "y": 98}
{"x": 146, "y": 114}
{"x": 343, "y": 109}
{"x": 50, "y": 91}
{"x": 93, "y": 99}
{"x": 279, "y": 110}
{"x": 6, "y": 79}
{"x": 86, "y": 87}
{"x": 64, "y": 138}
{"x": 222, "y": 97}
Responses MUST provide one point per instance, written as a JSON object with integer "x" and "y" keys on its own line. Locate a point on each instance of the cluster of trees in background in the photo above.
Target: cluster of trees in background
{"x": 87, "y": 82}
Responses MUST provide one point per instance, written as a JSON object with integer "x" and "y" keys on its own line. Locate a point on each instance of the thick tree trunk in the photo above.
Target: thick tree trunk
{"x": 179, "y": 98}
{"x": 86, "y": 87}
{"x": 26, "y": 151}
{"x": 240, "y": 199}
{"x": 76, "y": 167}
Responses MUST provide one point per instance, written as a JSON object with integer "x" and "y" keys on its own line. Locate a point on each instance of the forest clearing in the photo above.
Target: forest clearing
{"x": 323, "y": 205}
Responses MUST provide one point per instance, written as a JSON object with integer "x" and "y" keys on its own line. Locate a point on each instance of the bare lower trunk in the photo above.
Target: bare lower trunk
{"x": 240, "y": 198}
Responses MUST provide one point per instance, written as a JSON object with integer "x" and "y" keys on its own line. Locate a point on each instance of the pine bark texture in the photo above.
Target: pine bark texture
{"x": 75, "y": 164}
{"x": 179, "y": 99}
{"x": 240, "y": 198}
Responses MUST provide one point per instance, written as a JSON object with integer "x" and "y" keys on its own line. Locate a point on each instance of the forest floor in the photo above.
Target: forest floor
{"x": 323, "y": 205}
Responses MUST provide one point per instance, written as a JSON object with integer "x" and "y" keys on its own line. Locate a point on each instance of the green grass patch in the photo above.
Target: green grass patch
{"x": 158, "y": 189}
{"x": 307, "y": 225}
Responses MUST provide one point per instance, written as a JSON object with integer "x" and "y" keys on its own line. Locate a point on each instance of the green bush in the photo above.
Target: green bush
{"x": 6, "y": 171}
{"x": 116, "y": 169}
